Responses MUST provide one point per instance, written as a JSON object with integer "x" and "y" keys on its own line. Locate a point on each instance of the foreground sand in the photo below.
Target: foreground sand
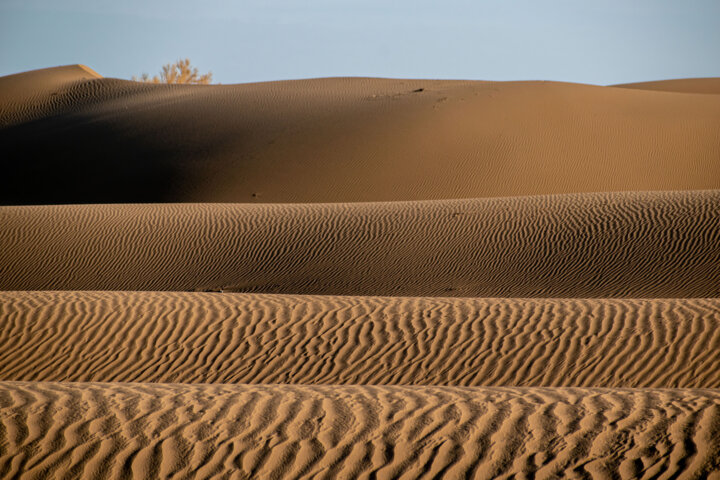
{"x": 662, "y": 244}
{"x": 281, "y": 431}
{"x": 249, "y": 338}
{"x": 350, "y": 140}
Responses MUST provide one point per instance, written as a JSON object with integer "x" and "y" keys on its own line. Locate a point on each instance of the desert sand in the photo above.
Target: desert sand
{"x": 359, "y": 278}
{"x": 355, "y": 340}
{"x": 632, "y": 244}
{"x": 282, "y": 431}
{"x": 352, "y": 140}
{"x": 681, "y": 85}
{"x": 29, "y": 95}
{"x": 657, "y": 244}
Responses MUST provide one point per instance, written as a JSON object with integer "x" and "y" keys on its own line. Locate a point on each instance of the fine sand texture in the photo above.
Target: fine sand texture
{"x": 681, "y": 85}
{"x": 349, "y": 140}
{"x": 250, "y": 338}
{"x": 662, "y": 244}
{"x": 66, "y": 430}
{"x": 367, "y": 278}
{"x": 28, "y": 95}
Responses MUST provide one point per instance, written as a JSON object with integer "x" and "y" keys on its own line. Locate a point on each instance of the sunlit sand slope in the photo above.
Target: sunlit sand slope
{"x": 353, "y": 139}
{"x": 159, "y": 431}
{"x": 29, "y": 95}
{"x": 247, "y": 338}
{"x": 587, "y": 245}
{"x": 680, "y": 85}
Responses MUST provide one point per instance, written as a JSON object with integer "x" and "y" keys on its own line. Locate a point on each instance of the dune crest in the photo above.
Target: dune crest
{"x": 680, "y": 85}
{"x": 356, "y": 140}
{"x": 28, "y": 95}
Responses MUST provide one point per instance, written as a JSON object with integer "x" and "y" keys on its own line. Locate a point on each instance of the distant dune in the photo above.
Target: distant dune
{"x": 587, "y": 245}
{"x": 248, "y": 338}
{"x": 352, "y": 139}
{"x": 681, "y": 85}
{"x": 29, "y": 95}
{"x": 359, "y": 278}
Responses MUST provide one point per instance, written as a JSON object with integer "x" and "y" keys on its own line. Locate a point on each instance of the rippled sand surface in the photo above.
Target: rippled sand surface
{"x": 405, "y": 279}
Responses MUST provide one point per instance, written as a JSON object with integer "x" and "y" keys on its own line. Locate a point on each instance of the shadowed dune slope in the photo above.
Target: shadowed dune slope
{"x": 248, "y": 338}
{"x": 663, "y": 244}
{"x": 353, "y": 139}
{"x": 28, "y": 95}
{"x": 680, "y": 85}
{"x": 274, "y": 431}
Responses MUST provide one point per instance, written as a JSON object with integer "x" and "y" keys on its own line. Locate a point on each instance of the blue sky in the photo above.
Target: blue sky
{"x": 600, "y": 42}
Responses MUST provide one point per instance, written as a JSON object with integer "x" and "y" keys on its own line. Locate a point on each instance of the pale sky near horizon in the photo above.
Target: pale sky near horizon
{"x": 595, "y": 42}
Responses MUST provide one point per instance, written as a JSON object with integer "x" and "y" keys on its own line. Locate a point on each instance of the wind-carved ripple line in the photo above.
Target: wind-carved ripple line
{"x": 579, "y": 245}
{"x": 181, "y": 337}
{"x": 102, "y": 430}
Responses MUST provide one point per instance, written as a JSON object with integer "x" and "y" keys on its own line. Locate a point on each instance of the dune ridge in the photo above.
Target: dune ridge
{"x": 279, "y": 431}
{"x": 250, "y": 338}
{"x": 652, "y": 245}
{"x": 354, "y": 140}
{"x": 678, "y": 85}
{"x": 30, "y": 95}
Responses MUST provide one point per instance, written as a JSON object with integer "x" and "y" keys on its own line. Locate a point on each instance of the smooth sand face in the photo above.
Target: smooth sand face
{"x": 456, "y": 325}
{"x": 355, "y": 139}
{"x": 681, "y": 85}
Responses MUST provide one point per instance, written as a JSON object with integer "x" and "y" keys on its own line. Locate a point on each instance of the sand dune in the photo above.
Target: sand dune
{"x": 159, "y": 431}
{"x": 241, "y": 338}
{"x": 680, "y": 85}
{"x": 29, "y": 95}
{"x": 485, "y": 313}
{"x": 589, "y": 245}
{"x": 353, "y": 139}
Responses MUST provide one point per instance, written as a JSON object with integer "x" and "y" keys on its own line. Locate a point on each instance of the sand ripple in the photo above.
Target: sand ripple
{"x": 275, "y": 431}
{"x": 248, "y": 338}
{"x": 662, "y": 244}
{"x": 531, "y": 330}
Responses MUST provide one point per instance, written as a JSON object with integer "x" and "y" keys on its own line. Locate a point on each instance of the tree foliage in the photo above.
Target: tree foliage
{"x": 178, "y": 72}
